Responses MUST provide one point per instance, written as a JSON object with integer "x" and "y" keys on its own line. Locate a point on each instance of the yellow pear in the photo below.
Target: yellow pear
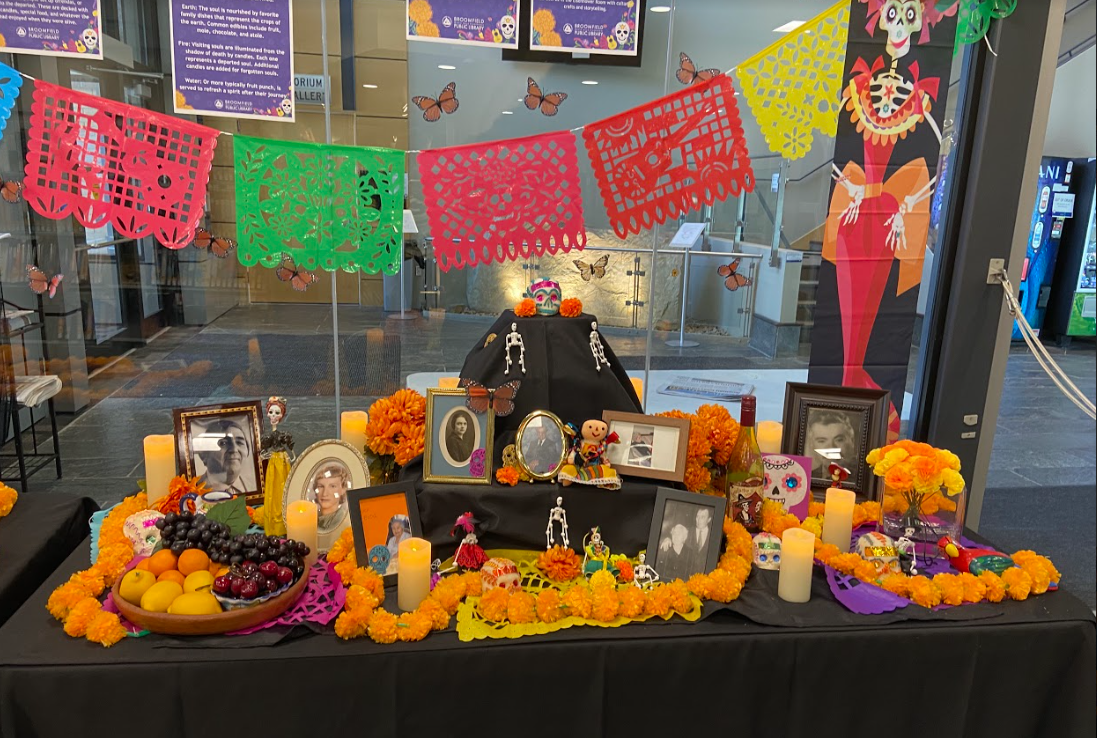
{"x": 134, "y": 584}
{"x": 195, "y": 603}
{"x": 158, "y": 597}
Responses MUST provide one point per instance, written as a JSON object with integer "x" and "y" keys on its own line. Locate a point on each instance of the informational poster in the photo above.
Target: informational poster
{"x": 587, "y": 26}
{"x": 51, "y": 28}
{"x": 233, "y": 58}
{"x": 471, "y": 22}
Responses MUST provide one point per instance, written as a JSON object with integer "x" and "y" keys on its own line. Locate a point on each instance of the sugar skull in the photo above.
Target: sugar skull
{"x": 286, "y": 107}
{"x": 141, "y": 531}
{"x": 276, "y": 410}
{"x": 621, "y": 32}
{"x": 500, "y": 573}
{"x": 507, "y": 26}
{"x": 786, "y": 481}
{"x": 546, "y": 293}
{"x": 90, "y": 38}
{"x": 880, "y": 550}
{"x": 901, "y": 19}
{"x": 767, "y": 551}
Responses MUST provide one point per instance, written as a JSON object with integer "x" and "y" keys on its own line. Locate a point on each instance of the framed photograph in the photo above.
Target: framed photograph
{"x": 459, "y": 442}
{"x": 650, "y": 446}
{"x": 542, "y": 444}
{"x": 686, "y": 528}
{"x": 836, "y": 424}
{"x": 325, "y": 474}
{"x": 382, "y": 517}
{"x": 219, "y": 444}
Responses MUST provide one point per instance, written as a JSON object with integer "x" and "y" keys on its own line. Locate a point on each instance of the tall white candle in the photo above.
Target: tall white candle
{"x": 797, "y": 556}
{"x": 838, "y": 517}
{"x": 769, "y": 436}
{"x": 412, "y": 573}
{"x": 352, "y": 428}
{"x": 301, "y": 517}
{"x": 159, "y": 466}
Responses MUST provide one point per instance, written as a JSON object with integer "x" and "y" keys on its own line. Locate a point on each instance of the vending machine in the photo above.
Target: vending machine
{"x": 1072, "y": 311}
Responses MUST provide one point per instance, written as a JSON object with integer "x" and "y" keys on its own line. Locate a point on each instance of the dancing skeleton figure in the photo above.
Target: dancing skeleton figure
{"x": 643, "y": 576}
{"x": 905, "y": 547}
{"x": 514, "y": 340}
{"x": 557, "y": 515}
{"x": 596, "y": 347}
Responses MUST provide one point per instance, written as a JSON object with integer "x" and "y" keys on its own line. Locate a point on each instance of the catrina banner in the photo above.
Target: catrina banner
{"x": 896, "y": 79}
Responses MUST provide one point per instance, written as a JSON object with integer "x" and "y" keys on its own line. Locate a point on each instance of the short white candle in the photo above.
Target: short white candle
{"x": 301, "y": 518}
{"x": 797, "y": 556}
{"x": 838, "y": 517}
{"x": 159, "y": 466}
{"x": 412, "y": 573}
{"x": 352, "y": 428}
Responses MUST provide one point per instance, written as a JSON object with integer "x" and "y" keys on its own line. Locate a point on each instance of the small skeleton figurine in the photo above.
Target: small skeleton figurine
{"x": 557, "y": 515}
{"x": 276, "y": 440}
{"x": 596, "y": 347}
{"x": 469, "y": 554}
{"x": 908, "y": 556}
{"x": 643, "y": 576}
{"x": 514, "y": 339}
{"x": 596, "y": 554}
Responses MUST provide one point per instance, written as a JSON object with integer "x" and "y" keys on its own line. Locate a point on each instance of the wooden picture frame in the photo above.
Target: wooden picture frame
{"x": 373, "y": 513}
{"x": 674, "y": 508}
{"x": 452, "y": 457}
{"x": 528, "y": 460}
{"x": 200, "y": 434}
{"x": 850, "y": 421}
{"x": 333, "y": 459}
{"x": 638, "y": 456}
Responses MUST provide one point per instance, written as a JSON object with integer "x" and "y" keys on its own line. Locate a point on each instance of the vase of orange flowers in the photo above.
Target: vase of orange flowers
{"x": 394, "y": 434}
{"x": 924, "y": 493}
{"x": 712, "y": 436}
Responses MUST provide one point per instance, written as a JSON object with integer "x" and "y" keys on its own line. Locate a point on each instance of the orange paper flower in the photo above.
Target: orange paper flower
{"x": 526, "y": 308}
{"x": 572, "y": 307}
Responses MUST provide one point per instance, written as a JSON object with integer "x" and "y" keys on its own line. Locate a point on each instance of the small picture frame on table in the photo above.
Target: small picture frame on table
{"x": 459, "y": 442}
{"x": 324, "y": 474}
{"x": 219, "y": 444}
{"x": 541, "y": 445}
{"x": 836, "y": 425}
{"x": 381, "y": 517}
{"x": 685, "y": 534}
{"x": 651, "y": 446}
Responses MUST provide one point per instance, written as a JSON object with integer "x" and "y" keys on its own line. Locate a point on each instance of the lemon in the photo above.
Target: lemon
{"x": 158, "y": 597}
{"x": 198, "y": 581}
{"x": 195, "y": 603}
{"x": 135, "y": 584}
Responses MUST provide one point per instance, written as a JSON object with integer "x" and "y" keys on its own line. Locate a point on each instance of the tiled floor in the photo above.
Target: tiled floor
{"x": 1041, "y": 492}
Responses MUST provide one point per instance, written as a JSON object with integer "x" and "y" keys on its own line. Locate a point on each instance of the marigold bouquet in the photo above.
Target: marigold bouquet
{"x": 395, "y": 431}
{"x": 919, "y": 480}
{"x": 712, "y": 436}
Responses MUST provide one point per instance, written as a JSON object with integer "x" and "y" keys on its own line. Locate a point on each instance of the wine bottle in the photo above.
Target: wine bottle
{"x": 745, "y": 477}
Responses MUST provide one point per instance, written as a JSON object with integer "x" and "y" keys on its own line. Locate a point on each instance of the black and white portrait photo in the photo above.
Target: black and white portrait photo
{"x": 831, "y": 437}
{"x": 685, "y": 534}
{"x": 461, "y": 432}
{"x": 541, "y": 441}
{"x": 458, "y": 444}
{"x": 220, "y": 446}
{"x": 641, "y": 446}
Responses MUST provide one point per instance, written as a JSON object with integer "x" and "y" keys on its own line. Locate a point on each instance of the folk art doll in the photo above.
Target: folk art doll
{"x": 586, "y": 462}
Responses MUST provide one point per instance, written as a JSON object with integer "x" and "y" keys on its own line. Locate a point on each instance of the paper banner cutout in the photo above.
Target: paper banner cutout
{"x": 974, "y": 17}
{"x": 329, "y": 207}
{"x": 794, "y": 86}
{"x": 104, "y": 161}
{"x": 503, "y": 200}
{"x": 670, "y": 156}
{"x": 10, "y": 82}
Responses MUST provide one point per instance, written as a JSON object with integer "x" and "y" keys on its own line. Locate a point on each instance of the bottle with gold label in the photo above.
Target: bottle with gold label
{"x": 745, "y": 478}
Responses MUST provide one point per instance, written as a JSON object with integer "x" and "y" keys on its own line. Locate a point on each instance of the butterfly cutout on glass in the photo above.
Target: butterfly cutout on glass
{"x": 733, "y": 280}
{"x": 597, "y": 269}
{"x": 42, "y": 284}
{"x": 11, "y": 190}
{"x": 688, "y": 73}
{"x": 535, "y": 98}
{"x": 500, "y": 399}
{"x": 219, "y": 246}
{"x": 447, "y": 103}
{"x": 298, "y": 278}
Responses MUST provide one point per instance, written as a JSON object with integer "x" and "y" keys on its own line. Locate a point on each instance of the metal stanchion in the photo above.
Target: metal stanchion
{"x": 682, "y": 342}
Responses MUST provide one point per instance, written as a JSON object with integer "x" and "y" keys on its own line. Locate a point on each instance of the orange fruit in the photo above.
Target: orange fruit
{"x": 171, "y": 575}
{"x": 222, "y": 570}
{"x": 192, "y": 560}
{"x": 161, "y": 561}
{"x": 143, "y": 565}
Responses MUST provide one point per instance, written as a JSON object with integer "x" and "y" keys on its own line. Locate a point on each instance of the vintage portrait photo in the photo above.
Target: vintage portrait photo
{"x": 685, "y": 534}
{"x": 381, "y": 518}
{"x": 324, "y": 474}
{"x": 219, "y": 444}
{"x": 831, "y": 437}
{"x": 650, "y": 446}
{"x": 641, "y": 445}
{"x": 458, "y": 446}
{"x": 541, "y": 444}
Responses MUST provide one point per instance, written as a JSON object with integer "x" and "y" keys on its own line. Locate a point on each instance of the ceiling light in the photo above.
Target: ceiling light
{"x": 446, "y": 66}
{"x": 370, "y": 87}
{"x": 790, "y": 26}
{"x": 590, "y": 81}
{"x": 508, "y": 112}
{"x": 660, "y": 8}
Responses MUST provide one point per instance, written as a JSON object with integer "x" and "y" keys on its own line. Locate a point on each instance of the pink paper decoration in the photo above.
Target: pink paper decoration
{"x": 104, "y": 161}
{"x": 503, "y": 200}
{"x": 670, "y": 156}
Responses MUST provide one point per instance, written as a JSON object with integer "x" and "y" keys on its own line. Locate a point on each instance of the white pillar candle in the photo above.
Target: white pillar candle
{"x": 769, "y": 436}
{"x": 797, "y": 556}
{"x": 412, "y": 573}
{"x": 352, "y": 428}
{"x": 301, "y": 517}
{"x": 838, "y": 517}
{"x": 159, "y": 466}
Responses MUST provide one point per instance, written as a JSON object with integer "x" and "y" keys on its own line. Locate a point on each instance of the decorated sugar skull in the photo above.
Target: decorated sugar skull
{"x": 546, "y": 293}
{"x": 767, "y": 551}
{"x": 500, "y": 573}
{"x": 785, "y": 480}
{"x": 880, "y": 550}
{"x": 141, "y": 531}
{"x": 276, "y": 410}
{"x": 901, "y": 19}
{"x": 621, "y": 32}
{"x": 90, "y": 37}
{"x": 507, "y": 26}
{"x": 286, "y": 107}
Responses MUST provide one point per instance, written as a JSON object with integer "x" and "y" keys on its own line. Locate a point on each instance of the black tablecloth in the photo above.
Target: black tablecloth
{"x": 40, "y": 531}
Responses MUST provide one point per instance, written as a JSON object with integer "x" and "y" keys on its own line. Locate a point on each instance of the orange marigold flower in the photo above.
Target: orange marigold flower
{"x": 725, "y": 586}
{"x": 8, "y": 498}
{"x": 352, "y": 624}
{"x": 1023, "y": 558}
{"x": 700, "y": 585}
{"x": 105, "y": 629}
{"x": 413, "y": 626}
{"x": 548, "y": 605}
{"x": 865, "y": 571}
{"x": 572, "y": 307}
{"x": 996, "y": 588}
{"x": 698, "y": 478}
{"x": 737, "y": 566}
{"x": 578, "y": 602}
{"x": 951, "y": 588}
{"x": 411, "y": 444}
{"x": 507, "y": 475}
{"x": 560, "y": 564}
{"x": 816, "y": 508}
{"x": 679, "y": 596}
{"x": 76, "y": 624}
{"x": 439, "y": 618}
{"x": 630, "y": 602}
{"x": 844, "y": 562}
{"x": 494, "y": 604}
{"x": 522, "y": 607}
{"x": 1041, "y": 580}
{"x": 825, "y": 552}
{"x": 604, "y": 604}
{"x": 371, "y": 580}
{"x": 923, "y": 592}
{"x": 360, "y": 598}
{"x": 624, "y": 570}
{"x": 474, "y": 583}
{"x": 64, "y": 598}
{"x": 897, "y": 584}
{"x": 1018, "y": 583}
{"x": 658, "y": 601}
{"x": 382, "y": 627}
{"x": 602, "y": 579}
{"x": 739, "y": 540}
{"x": 526, "y": 308}
{"x": 974, "y": 589}
{"x": 341, "y": 547}
{"x": 813, "y": 526}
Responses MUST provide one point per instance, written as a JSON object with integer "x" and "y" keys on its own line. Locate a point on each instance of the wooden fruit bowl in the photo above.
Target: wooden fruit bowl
{"x": 161, "y": 622}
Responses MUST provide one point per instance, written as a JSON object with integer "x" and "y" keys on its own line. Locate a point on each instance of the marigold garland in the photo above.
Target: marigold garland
{"x": 712, "y": 436}
{"x": 526, "y": 308}
{"x": 507, "y": 475}
{"x": 8, "y": 498}
{"x": 571, "y": 307}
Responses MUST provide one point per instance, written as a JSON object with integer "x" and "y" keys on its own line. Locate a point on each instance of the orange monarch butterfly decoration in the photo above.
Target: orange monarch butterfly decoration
{"x": 688, "y": 73}
{"x": 501, "y": 399}
{"x": 548, "y": 103}
{"x": 40, "y": 283}
{"x": 11, "y": 190}
{"x": 216, "y": 245}
{"x": 733, "y": 280}
{"x": 298, "y": 278}
{"x": 432, "y": 108}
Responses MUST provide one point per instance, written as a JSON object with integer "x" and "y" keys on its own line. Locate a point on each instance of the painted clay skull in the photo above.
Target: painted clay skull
{"x": 140, "y": 528}
{"x": 90, "y": 38}
{"x": 879, "y": 549}
{"x": 546, "y": 293}
{"x": 507, "y": 26}
{"x": 621, "y": 32}
{"x": 901, "y": 19}
{"x": 785, "y": 481}
{"x": 767, "y": 551}
{"x": 276, "y": 411}
{"x": 500, "y": 573}
{"x": 287, "y": 106}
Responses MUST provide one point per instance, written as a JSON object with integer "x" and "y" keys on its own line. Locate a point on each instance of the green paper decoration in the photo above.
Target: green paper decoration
{"x": 328, "y": 207}
{"x": 974, "y": 17}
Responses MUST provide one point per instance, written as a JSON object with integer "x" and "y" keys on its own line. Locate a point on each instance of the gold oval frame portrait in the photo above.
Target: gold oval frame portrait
{"x": 304, "y": 470}
{"x": 555, "y": 420}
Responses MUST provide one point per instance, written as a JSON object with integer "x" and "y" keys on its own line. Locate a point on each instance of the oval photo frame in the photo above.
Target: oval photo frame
{"x": 302, "y": 478}
{"x": 552, "y": 420}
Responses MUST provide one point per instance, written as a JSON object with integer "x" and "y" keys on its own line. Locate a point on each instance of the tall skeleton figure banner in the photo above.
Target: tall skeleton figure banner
{"x": 898, "y": 64}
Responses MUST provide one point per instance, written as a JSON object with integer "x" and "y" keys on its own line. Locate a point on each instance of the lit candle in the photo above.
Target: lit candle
{"x": 448, "y": 382}
{"x": 797, "y": 555}
{"x": 638, "y": 386}
{"x": 352, "y": 428}
{"x": 838, "y": 517}
{"x": 301, "y": 519}
{"x": 412, "y": 573}
{"x": 159, "y": 465}
{"x": 769, "y": 436}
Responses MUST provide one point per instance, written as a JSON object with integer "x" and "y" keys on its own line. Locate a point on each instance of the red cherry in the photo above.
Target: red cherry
{"x": 222, "y": 584}
{"x": 236, "y": 586}
{"x": 249, "y": 590}
{"x": 285, "y": 574}
{"x": 268, "y": 568}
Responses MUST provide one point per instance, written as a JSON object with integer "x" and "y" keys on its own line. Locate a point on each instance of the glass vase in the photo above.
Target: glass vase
{"x": 924, "y": 518}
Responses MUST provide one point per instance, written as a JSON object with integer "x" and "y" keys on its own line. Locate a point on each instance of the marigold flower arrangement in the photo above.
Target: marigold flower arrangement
{"x": 571, "y": 307}
{"x": 560, "y": 564}
{"x": 8, "y": 498}
{"x": 178, "y": 488}
{"x": 396, "y": 431}
{"x": 919, "y": 480}
{"x": 526, "y": 308}
{"x": 712, "y": 436}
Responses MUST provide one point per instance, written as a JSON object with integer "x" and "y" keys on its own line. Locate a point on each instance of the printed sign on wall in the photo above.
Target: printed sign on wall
{"x": 472, "y": 22}
{"x": 51, "y": 28}
{"x": 233, "y": 58}
{"x": 587, "y": 26}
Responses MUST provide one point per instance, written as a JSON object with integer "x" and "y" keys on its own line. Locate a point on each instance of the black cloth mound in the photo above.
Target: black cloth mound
{"x": 560, "y": 372}
{"x": 35, "y": 538}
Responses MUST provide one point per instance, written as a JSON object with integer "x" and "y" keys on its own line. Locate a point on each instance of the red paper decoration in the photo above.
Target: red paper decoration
{"x": 104, "y": 161}
{"x": 503, "y": 200}
{"x": 670, "y": 156}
